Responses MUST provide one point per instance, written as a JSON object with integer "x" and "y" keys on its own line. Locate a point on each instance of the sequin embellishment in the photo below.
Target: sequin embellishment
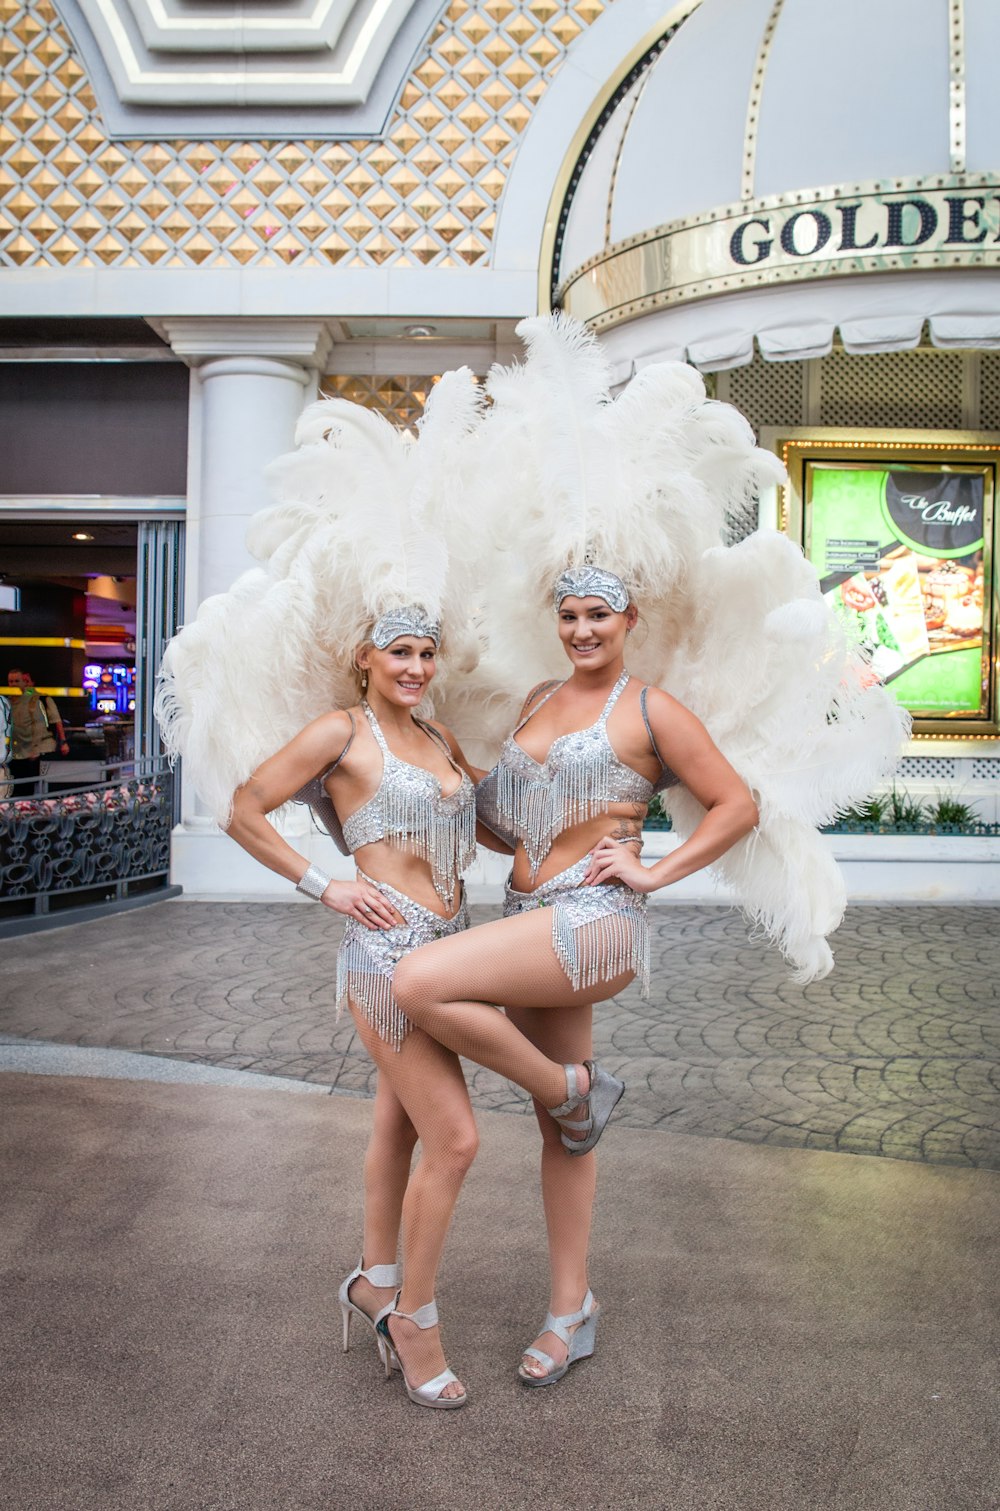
{"x": 368, "y": 957}
{"x": 534, "y": 801}
{"x": 409, "y": 806}
{"x": 597, "y": 932}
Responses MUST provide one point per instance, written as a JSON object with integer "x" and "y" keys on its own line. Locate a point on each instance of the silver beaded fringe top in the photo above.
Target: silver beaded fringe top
{"x": 534, "y": 801}
{"x": 409, "y": 805}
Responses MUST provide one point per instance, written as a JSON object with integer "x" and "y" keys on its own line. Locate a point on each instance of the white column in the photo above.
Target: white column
{"x": 249, "y": 406}
{"x": 250, "y": 380}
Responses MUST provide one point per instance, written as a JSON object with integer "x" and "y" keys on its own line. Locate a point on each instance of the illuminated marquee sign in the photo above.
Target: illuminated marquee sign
{"x": 871, "y": 228}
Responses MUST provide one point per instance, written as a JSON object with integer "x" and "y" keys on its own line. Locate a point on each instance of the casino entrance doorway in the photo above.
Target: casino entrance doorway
{"x": 90, "y": 593}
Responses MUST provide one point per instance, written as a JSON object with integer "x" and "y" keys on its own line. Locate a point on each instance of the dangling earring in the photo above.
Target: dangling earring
{"x": 364, "y": 681}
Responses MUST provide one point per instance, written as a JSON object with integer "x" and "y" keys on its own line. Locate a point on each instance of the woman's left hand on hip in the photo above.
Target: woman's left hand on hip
{"x": 610, "y": 860}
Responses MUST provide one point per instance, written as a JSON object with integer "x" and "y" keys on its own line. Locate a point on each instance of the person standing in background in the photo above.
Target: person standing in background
{"x": 37, "y": 728}
{"x": 6, "y": 736}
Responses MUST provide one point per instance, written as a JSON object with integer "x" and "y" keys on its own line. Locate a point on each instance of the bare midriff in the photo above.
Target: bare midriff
{"x": 619, "y": 821}
{"x": 408, "y": 873}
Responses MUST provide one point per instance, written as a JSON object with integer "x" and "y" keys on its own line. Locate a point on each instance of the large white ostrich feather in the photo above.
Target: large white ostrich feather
{"x": 475, "y": 520}
{"x": 361, "y": 523}
{"x": 788, "y": 699}
{"x": 642, "y": 485}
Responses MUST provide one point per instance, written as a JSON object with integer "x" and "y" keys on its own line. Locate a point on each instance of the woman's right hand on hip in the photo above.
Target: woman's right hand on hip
{"x": 361, "y": 901}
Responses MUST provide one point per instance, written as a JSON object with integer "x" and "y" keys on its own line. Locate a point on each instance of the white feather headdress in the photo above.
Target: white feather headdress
{"x": 361, "y": 525}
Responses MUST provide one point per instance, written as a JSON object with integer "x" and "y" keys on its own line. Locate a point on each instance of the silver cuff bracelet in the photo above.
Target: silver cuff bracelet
{"x": 314, "y": 883}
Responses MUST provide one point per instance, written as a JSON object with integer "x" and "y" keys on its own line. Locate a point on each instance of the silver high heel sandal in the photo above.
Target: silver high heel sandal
{"x": 428, "y": 1394}
{"x": 603, "y": 1094}
{"x": 580, "y": 1344}
{"x": 379, "y": 1275}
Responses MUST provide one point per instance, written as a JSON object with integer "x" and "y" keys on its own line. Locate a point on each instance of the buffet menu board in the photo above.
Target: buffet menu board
{"x": 900, "y": 555}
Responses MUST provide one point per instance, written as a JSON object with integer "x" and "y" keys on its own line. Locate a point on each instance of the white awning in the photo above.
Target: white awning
{"x": 792, "y": 323}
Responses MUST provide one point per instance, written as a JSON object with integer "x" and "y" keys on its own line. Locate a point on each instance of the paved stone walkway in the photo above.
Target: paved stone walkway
{"x": 897, "y": 1053}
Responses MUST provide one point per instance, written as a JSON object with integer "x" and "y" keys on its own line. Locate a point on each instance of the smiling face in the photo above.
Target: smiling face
{"x": 593, "y": 635}
{"x": 401, "y": 672}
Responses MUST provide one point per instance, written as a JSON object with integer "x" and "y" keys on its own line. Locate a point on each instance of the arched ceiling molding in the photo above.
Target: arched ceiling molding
{"x": 316, "y": 68}
{"x": 562, "y": 121}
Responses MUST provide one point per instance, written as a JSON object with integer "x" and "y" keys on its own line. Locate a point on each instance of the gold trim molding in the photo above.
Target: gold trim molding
{"x": 753, "y": 104}
{"x": 572, "y": 161}
{"x": 882, "y": 226}
{"x": 956, "y": 84}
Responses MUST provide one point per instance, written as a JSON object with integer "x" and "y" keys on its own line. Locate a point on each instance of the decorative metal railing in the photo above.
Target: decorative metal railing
{"x": 99, "y": 838}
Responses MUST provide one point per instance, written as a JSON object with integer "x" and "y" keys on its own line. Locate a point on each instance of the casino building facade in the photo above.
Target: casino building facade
{"x": 207, "y": 215}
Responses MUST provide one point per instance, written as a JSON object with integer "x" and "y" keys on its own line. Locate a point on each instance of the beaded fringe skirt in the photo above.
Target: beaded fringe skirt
{"x": 597, "y": 932}
{"x": 368, "y": 957}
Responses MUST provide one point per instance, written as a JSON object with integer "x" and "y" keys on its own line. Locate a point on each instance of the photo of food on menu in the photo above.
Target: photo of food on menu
{"x": 900, "y": 552}
{"x": 912, "y": 606}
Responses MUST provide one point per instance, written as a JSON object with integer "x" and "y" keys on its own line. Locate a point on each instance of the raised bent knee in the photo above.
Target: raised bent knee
{"x": 411, "y": 984}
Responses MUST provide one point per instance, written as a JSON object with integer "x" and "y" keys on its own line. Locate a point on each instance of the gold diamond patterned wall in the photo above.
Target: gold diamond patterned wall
{"x": 425, "y": 194}
{"x": 400, "y": 399}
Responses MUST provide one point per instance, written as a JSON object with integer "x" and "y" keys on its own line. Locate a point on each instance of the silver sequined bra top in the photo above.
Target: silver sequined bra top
{"x": 409, "y": 806}
{"x": 534, "y": 801}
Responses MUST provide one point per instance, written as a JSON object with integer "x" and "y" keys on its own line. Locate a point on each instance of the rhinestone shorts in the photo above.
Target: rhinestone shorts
{"x": 597, "y": 932}
{"x": 368, "y": 957}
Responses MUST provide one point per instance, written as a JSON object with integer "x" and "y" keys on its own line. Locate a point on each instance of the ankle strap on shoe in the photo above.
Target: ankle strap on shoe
{"x": 561, "y": 1325}
{"x": 424, "y": 1317}
{"x": 573, "y": 1095}
{"x": 382, "y": 1276}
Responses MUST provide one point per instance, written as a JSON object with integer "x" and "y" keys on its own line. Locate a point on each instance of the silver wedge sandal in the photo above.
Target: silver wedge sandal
{"x": 579, "y": 1343}
{"x": 604, "y": 1093}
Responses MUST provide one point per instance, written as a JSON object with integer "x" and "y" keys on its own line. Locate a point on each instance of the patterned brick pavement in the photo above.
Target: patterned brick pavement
{"x": 897, "y": 1053}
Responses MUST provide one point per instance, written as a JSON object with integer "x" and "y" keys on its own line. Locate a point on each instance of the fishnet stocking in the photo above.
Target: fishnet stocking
{"x": 387, "y": 1170}
{"x": 427, "y": 1082}
{"x": 446, "y": 988}
{"x": 568, "y": 1184}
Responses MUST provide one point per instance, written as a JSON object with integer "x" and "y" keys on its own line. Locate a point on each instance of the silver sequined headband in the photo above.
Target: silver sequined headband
{"x": 410, "y": 619}
{"x": 592, "y": 582}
